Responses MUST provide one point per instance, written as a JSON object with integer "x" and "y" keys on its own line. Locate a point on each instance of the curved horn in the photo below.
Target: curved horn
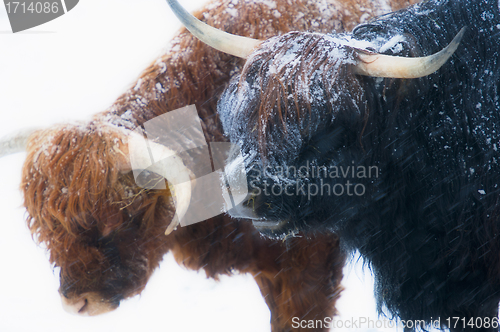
{"x": 169, "y": 166}
{"x": 15, "y": 142}
{"x": 225, "y": 42}
{"x": 378, "y": 65}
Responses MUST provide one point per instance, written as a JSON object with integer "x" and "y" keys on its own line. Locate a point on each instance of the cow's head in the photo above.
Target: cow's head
{"x": 102, "y": 230}
{"x": 293, "y": 89}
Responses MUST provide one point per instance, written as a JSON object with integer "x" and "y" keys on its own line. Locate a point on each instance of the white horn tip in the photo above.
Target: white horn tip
{"x": 380, "y": 65}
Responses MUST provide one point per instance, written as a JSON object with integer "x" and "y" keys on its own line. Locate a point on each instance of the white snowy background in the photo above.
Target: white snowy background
{"x": 66, "y": 70}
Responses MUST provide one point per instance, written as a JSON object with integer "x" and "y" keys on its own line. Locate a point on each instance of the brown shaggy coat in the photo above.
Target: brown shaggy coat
{"x": 107, "y": 234}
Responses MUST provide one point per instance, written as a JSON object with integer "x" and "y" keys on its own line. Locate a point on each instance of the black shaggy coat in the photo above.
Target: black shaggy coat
{"x": 427, "y": 217}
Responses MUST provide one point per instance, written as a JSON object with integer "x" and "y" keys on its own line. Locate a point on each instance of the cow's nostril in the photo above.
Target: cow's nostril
{"x": 88, "y": 304}
{"x": 82, "y": 309}
{"x": 76, "y": 306}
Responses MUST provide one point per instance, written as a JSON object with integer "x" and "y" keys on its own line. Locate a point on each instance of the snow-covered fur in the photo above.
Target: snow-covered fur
{"x": 107, "y": 234}
{"x": 404, "y": 170}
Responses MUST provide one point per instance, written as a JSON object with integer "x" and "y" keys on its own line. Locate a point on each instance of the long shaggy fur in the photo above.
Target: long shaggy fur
{"x": 107, "y": 234}
{"x": 428, "y": 221}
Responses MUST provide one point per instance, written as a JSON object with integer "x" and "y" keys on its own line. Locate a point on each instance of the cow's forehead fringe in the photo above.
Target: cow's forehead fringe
{"x": 292, "y": 48}
{"x": 48, "y": 141}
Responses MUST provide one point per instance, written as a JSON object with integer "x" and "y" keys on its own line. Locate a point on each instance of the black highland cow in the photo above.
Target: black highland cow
{"x": 399, "y": 155}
